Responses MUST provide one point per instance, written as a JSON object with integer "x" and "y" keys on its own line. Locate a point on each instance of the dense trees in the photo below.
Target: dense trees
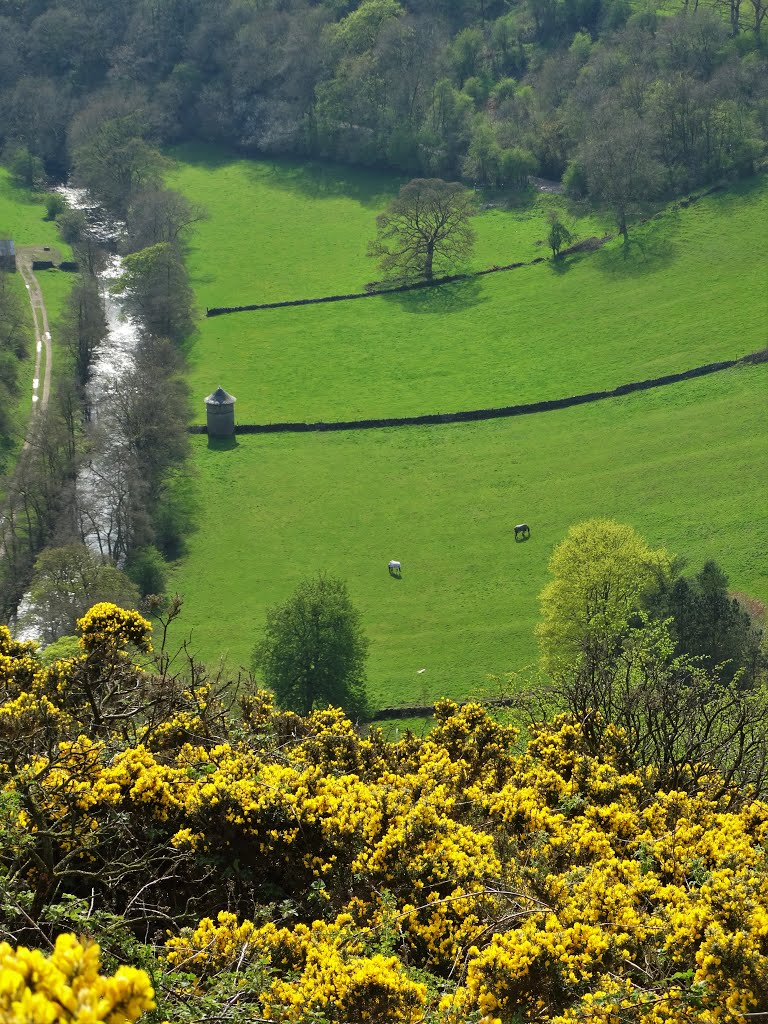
{"x": 426, "y": 87}
{"x": 66, "y": 583}
{"x": 708, "y": 622}
{"x": 427, "y": 222}
{"x": 13, "y": 347}
{"x": 313, "y": 651}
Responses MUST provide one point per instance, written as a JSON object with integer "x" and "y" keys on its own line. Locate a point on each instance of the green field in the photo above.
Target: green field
{"x": 684, "y": 464}
{"x": 22, "y": 216}
{"x": 680, "y": 295}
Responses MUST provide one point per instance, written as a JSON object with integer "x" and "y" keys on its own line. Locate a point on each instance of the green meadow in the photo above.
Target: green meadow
{"x": 679, "y": 295}
{"x": 684, "y": 464}
{"x": 22, "y": 216}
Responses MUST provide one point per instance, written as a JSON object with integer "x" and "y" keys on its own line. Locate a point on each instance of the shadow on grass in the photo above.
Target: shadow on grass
{"x": 563, "y": 264}
{"x": 442, "y": 299}
{"x": 223, "y": 444}
{"x": 203, "y": 154}
{"x": 738, "y": 191}
{"x": 315, "y": 179}
{"x": 318, "y": 180}
{"x": 647, "y": 250}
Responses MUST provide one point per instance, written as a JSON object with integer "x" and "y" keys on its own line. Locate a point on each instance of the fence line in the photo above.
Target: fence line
{"x": 502, "y": 412}
{"x": 591, "y": 244}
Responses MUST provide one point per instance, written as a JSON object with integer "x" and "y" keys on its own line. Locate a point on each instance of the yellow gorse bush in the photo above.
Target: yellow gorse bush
{"x": 67, "y": 988}
{"x": 453, "y": 878}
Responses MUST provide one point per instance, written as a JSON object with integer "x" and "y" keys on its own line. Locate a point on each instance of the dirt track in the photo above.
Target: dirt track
{"x": 43, "y": 350}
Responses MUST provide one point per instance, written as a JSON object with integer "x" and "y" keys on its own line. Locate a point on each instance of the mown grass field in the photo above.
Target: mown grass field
{"x": 686, "y": 291}
{"x": 686, "y": 465}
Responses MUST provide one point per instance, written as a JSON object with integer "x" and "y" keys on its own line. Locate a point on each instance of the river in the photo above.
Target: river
{"x": 102, "y": 494}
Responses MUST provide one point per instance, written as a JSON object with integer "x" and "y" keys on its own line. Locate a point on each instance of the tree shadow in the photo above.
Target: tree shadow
{"x": 20, "y": 194}
{"x": 563, "y": 264}
{"x": 510, "y": 200}
{"x": 441, "y": 298}
{"x": 317, "y": 179}
{"x": 203, "y": 154}
{"x": 646, "y": 250}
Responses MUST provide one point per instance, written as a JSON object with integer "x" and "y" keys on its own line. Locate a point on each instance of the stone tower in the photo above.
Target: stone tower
{"x": 220, "y": 409}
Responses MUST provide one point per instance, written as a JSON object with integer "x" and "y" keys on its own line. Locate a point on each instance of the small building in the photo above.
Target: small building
{"x": 220, "y": 413}
{"x": 7, "y": 255}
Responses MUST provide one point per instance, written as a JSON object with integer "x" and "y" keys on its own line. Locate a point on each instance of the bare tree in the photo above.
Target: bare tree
{"x": 427, "y": 222}
{"x": 687, "y": 724}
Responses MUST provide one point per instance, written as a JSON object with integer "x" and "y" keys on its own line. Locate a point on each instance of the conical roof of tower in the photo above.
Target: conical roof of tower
{"x": 220, "y": 397}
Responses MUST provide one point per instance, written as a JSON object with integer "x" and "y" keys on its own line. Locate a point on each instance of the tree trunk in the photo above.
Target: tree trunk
{"x": 428, "y": 261}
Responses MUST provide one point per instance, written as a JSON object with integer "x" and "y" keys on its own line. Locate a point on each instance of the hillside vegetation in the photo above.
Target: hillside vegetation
{"x": 299, "y": 871}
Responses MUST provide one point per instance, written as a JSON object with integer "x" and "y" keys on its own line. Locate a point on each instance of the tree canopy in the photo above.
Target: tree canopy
{"x": 600, "y": 572}
{"x": 426, "y": 224}
{"x": 313, "y": 651}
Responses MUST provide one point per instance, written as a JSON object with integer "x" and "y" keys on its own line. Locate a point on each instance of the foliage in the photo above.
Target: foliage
{"x": 684, "y": 722}
{"x": 66, "y": 582}
{"x": 708, "y": 623}
{"x": 157, "y": 289}
{"x": 558, "y": 234}
{"x": 300, "y": 869}
{"x": 26, "y": 168}
{"x": 67, "y": 988}
{"x": 147, "y": 568}
{"x": 427, "y": 222}
{"x": 313, "y": 651}
{"x": 600, "y": 573}
{"x": 55, "y": 205}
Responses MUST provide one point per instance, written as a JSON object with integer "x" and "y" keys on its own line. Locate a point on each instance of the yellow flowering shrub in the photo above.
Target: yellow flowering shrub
{"x": 451, "y": 879}
{"x": 67, "y": 988}
{"x": 107, "y": 625}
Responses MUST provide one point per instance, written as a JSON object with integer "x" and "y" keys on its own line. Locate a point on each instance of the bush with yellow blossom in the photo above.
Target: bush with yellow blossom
{"x": 67, "y": 987}
{"x": 281, "y": 868}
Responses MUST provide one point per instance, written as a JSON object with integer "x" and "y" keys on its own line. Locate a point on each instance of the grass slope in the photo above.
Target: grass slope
{"x": 22, "y": 216}
{"x": 280, "y": 229}
{"x": 681, "y": 294}
{"x": 686, "y": 465}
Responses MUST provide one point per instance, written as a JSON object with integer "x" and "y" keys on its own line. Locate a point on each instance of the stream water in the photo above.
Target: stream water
{"x": 102, "y": 495}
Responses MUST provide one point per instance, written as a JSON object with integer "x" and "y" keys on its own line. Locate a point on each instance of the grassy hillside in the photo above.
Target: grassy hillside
{"x": 22, "y": 216}
{"x": 686, "y": 465}
{"x": 280, "y": 229}
{"x": 681, "y": 294}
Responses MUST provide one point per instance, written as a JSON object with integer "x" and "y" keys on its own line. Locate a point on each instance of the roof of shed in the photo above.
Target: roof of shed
{"x": 220, "y": 397}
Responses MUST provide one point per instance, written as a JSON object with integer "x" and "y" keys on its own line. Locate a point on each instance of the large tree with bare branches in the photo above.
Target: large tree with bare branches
{"x": 426, "y": 224}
